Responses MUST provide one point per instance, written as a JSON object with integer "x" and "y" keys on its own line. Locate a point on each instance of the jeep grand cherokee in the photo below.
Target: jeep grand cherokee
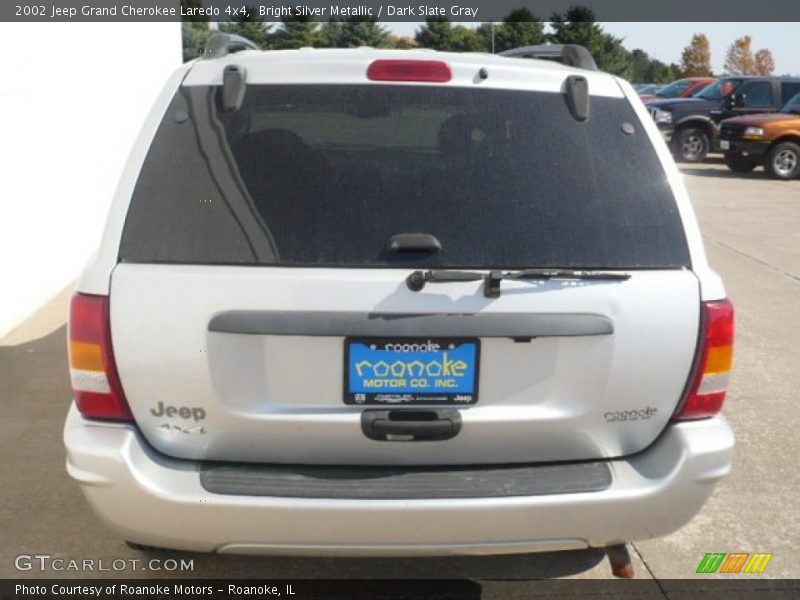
{"x": 379, "y": 302}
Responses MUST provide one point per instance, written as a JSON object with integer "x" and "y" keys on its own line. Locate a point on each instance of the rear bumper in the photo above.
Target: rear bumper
{"x": 154, "y": 500}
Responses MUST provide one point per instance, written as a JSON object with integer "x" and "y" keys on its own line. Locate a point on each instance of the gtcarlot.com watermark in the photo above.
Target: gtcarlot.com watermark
{"x": 46, "y": 562}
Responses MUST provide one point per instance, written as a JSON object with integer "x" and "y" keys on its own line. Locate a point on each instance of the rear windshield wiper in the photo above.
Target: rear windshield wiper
{"x": 417, "y": 280}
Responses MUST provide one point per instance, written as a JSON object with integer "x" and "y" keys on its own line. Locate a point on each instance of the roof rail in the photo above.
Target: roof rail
{"x": 222, "y": 44}
{"x": 571, "y": 55}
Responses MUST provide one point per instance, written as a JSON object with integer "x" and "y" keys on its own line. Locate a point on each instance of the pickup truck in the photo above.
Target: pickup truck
{"x": 772, "y": 140}
{"x": 691, "y": 125}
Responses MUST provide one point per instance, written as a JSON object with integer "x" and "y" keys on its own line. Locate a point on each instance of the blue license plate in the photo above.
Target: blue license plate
{"x": 411, "y": 370}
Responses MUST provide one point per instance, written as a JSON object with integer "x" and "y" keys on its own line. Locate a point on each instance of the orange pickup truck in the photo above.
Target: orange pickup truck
{"x": 772, "y": 140}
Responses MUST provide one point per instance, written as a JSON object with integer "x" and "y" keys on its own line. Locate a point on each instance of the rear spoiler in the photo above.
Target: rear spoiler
{"x": 222, "y": 44}
{"x": 233, "y": 76}
{"x": 571, "y": 55}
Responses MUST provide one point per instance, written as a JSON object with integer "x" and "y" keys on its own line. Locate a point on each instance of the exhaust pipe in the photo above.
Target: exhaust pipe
{"x": 620, "y": 560}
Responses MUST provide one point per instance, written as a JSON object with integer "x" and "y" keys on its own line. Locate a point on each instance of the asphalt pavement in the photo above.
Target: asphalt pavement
{"x": 750, "y": 226}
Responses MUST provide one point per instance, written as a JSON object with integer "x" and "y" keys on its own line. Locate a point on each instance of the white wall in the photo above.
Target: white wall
{"x": 72, "y": 99}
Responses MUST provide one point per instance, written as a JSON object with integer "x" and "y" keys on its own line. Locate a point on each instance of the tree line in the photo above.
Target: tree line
{"x": 740, "y": 58}
{"x": 521, "y": 27}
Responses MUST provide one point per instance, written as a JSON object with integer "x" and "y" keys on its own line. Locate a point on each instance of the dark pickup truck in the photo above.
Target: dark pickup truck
{"x": 691, "y": 125}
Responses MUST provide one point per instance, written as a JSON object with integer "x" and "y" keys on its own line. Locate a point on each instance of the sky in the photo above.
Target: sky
{"x": 665, "y": 41}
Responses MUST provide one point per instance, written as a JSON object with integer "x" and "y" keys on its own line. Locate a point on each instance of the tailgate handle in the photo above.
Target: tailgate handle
{"x": 410, "y": 425}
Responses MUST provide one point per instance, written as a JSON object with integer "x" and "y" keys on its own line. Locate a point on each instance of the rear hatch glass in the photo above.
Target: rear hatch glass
{"x": 325, "y": 175}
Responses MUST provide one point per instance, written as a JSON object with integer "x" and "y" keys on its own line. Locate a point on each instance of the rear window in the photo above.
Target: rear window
{"x": 675, "y": 89}
{"x": 325, "y": 175}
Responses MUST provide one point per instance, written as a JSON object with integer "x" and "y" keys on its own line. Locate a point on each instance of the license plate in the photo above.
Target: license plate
{"x": 725, "y": 144}
{"x": 411, "y": 371}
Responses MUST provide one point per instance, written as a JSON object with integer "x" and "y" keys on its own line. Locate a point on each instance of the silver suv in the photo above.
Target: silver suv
{"x": 377, "y": 302}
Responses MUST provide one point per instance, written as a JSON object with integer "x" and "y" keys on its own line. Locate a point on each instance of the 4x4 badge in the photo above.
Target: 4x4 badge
{"x": 630, "y": 415}
{"x": 182, "y": 429}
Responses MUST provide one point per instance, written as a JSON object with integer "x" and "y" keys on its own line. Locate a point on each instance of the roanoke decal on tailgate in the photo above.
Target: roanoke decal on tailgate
{"x": 411, "y": 371}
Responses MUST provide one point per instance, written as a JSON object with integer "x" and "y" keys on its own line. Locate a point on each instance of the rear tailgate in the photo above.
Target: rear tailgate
{"x": 280, "y": 398}
{"x": 257, "y": 245}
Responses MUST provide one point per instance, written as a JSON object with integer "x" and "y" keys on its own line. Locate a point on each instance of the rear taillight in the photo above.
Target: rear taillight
{"x": 432, "y": 71}
{"x": 709, "y": 384}
{"x": 98, "y": 392}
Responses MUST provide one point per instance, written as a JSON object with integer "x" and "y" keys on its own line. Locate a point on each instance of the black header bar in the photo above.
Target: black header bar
{"x": 397, "y": 10}
{"x": 387, "y": 589}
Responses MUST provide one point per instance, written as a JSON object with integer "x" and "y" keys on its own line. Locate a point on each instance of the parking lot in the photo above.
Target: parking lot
{"x": 750, "y": 225}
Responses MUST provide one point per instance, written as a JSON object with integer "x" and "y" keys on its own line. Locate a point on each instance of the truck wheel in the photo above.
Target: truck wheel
{"x": 692, "y": 145}
{"x": 740, "y": 165}
{"x": 784, "y": 161}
